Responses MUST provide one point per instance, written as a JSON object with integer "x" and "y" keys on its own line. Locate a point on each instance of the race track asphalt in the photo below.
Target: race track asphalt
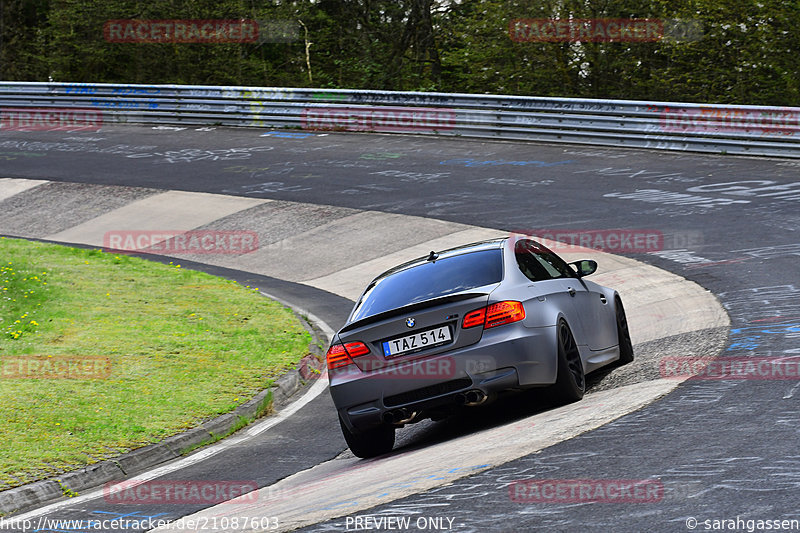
{"x": 721, "y": 449}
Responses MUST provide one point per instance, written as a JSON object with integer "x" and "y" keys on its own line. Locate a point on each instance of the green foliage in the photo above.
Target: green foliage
{"x": 150, "y": 350}
{"x": 745, "y": 51}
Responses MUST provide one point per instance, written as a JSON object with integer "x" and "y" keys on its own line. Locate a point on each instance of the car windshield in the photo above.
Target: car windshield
{"x": 429, "y": 280}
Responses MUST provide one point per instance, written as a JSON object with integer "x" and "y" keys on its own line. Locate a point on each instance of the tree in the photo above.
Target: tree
{"x": 744, "y": 51}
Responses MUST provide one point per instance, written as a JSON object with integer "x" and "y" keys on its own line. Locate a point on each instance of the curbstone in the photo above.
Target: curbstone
{"x": 20, "y": 498}
{"x": 141, "y": 458}
{"x": 252, "y": 408}
{"x": 221, "y": 425}
{"x": 288, "y": 383}
{"x": 90, "y": 476}
{"x": 188, "y": 439}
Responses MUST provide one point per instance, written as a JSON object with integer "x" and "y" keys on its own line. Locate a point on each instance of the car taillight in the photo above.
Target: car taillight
{"x": 504, "y": 313}
{"x": 494, "y": 315}
{"x": 474, "y": 318}
{"x": 341, "y": 354}
{"x": 356, "y": 348}
{"x": 337, "y": 356}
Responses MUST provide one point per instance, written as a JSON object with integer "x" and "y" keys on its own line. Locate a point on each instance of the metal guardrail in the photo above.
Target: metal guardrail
{"x": 754, "y": 130}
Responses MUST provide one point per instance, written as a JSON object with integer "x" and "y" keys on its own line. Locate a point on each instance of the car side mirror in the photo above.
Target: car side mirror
{"x": 584, "y": 267}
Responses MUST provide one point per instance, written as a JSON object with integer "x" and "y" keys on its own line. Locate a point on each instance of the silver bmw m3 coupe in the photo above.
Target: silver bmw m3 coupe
{"x": 453, "y": 329}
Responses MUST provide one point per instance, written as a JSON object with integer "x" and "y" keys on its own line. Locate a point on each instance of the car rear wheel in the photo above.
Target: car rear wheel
{"x": 570, "y": 381}
{"x": 369, "y": 443}
{"x": 623, "y": 335}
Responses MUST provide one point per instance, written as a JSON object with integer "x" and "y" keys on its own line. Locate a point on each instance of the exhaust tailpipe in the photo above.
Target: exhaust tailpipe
{"x": 474, "y": 397}
{"x": 399, "y": 416}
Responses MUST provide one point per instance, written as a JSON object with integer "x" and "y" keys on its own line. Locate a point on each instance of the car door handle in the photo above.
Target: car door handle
{"x": 571, "y": 291}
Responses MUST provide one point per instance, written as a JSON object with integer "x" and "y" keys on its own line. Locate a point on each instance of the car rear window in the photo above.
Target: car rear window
{"x": 431, "y": 280}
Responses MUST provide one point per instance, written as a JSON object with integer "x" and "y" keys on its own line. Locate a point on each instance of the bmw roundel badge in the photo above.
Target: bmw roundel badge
{"x": 410, "y": 322}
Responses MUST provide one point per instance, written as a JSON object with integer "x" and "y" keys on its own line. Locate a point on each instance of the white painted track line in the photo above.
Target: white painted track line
{"x": 341, "y": 256}
{"x": 256, "y": 429}
{"x": 345, "y": 486}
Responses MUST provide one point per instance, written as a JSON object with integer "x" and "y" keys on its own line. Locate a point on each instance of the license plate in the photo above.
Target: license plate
{"x": 417, "y": 341}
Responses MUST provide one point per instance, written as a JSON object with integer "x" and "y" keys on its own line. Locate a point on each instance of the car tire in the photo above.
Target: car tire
{"x": 370, "y": 443}
{"x": 623, "y": 335}
{"x": 570, "y": 380}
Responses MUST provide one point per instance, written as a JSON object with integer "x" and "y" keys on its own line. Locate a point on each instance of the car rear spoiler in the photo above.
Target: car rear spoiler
{"x": 413, "y": 307}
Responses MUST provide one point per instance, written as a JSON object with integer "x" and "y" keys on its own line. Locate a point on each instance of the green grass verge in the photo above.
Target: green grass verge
{"x": 177, "y": 347}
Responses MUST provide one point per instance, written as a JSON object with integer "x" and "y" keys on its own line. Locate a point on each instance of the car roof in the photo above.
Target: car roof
{"x": 491, "y": 244}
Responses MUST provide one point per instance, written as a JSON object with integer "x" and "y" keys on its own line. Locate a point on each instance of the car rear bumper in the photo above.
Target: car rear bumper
{"x": 507, "y": 357}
